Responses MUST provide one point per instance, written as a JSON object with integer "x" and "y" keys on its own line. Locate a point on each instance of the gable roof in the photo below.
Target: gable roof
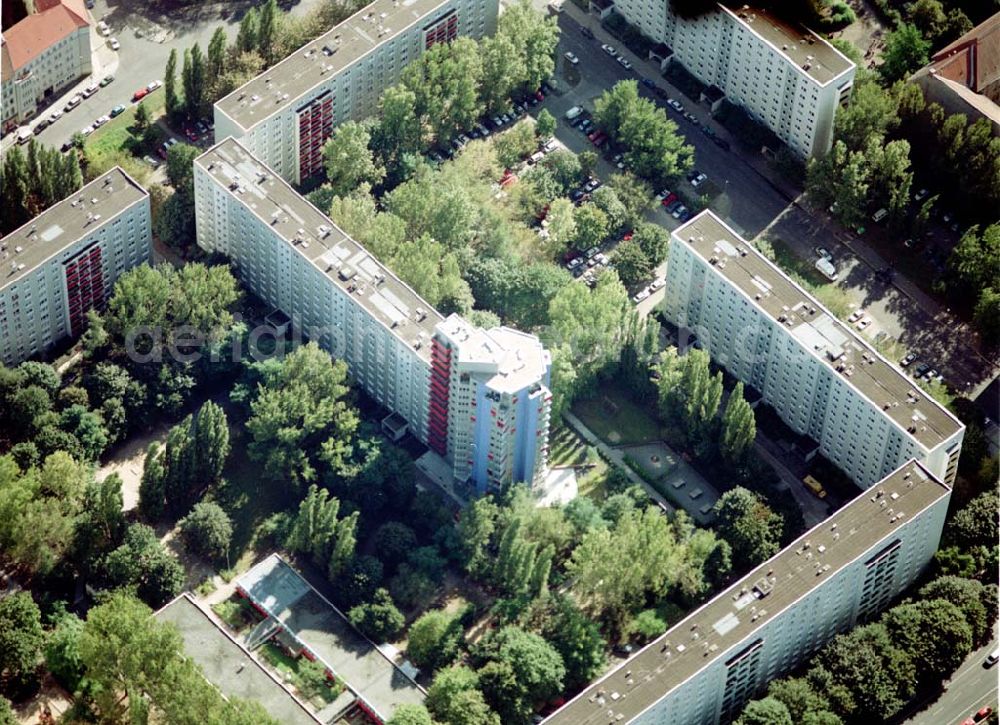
{"x": 28, "y": 39}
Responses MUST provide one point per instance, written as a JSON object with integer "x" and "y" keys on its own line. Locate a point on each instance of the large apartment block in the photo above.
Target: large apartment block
{"x": 284, "y": 115}
{"x": 819, "y": 375}
{"x": 477, "y": 397}
{"x": 786, "y": 77}
{"x": 42, "y": 54}
{"x": 840, "y": 573}
{"x": 66, "y": 260}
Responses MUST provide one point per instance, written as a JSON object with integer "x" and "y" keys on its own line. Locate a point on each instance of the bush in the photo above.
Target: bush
{"x": 207, "y": 531}
{"x": 379, "y": 620}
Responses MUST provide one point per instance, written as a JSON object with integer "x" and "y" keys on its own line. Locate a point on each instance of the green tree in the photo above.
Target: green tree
{"x": 872, "y": 112}
{"x": 632, "y": 264}
{"x": 379, "y": 620}
{"x": 545, "y": 124}
{"x": 591, "y": 226}
{"x": 798, "y": 696}
{"x": 180, "y": 167}
{"x": 347, "y": 159}
{"x": 410, "y": 714}
{"x": 210, "y": 438}
{"x": 645, "y": 626}
{"x": 906, "y": 50}
{"x": 577, "y": 639}
{"x": 976, "y": 257}
{"x": 503, "y": 71}
{"x": 62, "y": 651}
{"x": 393, "y": 541}
{"x": 142, "y": 563}
{"x": 398, "y": 130}
{"x": 634, "y": 193}
{"x": 207, "y": 531}
{"x": 445, "y": 82}
{"x": 434, "y": 639}
{"x": 141, "y": 121}
{"x": 520, "y": 669}
{"x": 299, "y": 407}
{"x": 314, "y": 530}
{"x": 215, "y": 65}
{"x": 534, "y": 36}
{"x": 767, "y": 711}
{"x": 987, "y": 316}
{"x": 871, "y": 676}
{"x": 476, "y": 525}
{"x": 21, "y": 637}
{"x": 739, "y": 427}
{"x": 267, "y": 31}
{"x": 935, "y": 656}
{"x": 454, "y": 698}
{"x": 101, "y": 523}
{"x": 752, "y": 529}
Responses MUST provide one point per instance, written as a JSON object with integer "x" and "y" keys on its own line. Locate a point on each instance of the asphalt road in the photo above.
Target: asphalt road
{"x": 972, "y": 687}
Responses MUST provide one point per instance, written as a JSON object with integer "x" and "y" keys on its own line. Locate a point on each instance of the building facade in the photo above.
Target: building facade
{"x": 66, "y": 260}
{"x": 445, "y": 379}
{"x": 284, "y": 115}
{"x": 839, "y": 574}
{"x": 42, "y": 54}
{"x": 786, "y": 77}
{"x": 822, "y": 378}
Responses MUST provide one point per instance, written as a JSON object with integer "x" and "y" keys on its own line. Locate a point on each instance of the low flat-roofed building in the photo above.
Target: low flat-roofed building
{"x": 66, "y": 261}
{"x": 840, "y": 573}
{"x": 286, "y": 113}
{"x": 228, "y": 665}
{"x": 309, "y": 623}
{"x": 823, "y": 378}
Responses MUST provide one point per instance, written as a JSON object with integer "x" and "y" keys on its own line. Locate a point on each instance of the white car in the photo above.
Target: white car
{"x": 641, "y": 295}
{"x": 656, "y": 284}
{"x": 115, "y": 45}
{"x": 87, "y": 130}
{"x": 90, "y": 90}
{"x": 675, "y": 105}
{"x": 154, "y": 85}
{"x": 609, "y": 49}
{"x": 698, "y": 180}
{"x": 571, "y": 58}
{"x": 55, "y": 116}
{"x": 103, "y": 29}
{"x": 856, "y": 315}
{"x": 100, "y": 121}
{"x": 863, "y": 323}
{"x": 624, "y": 63}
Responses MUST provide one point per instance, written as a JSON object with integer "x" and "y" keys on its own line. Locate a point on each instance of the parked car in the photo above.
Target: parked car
{"x": 573, "y": 113}
{"x": 921, "y": 195}
{"x": 66, "y": 146}
{"x": 90, "y": 90}
{"x": 55, "y": 115}
{"x": 671, "y": 206}
{"x": 571, "y": 58}
{"x": 106, "y": 81}
{"x": 824, "y": 253}
{"x": 41, "y": 126}
{"x": 920, "y": 369}
{"x": 87, "y": 130}
{"x": 609, "y": 49}
{"x": 675, "y": 105}
{"x": 863, "y": 323}
{"x": 624, "y": 62}
{"x": 992, "y": 658}
{"x": 698, "y": 180}
{"x": 721, "y": 142}
{"x": 656, "y": 284}
{"x": 115, "y": 45}
{"x": 641, "y": 295}
{"x": 587, "y": 33}
{"x": 153, "y": 85}
{"x": 165, "y": 146}
{"x": 908, "y": 359}
{"x": 100, "y": 121}
{"x": 103, "y": 29}
{"x": 880, "y": 215}
{"x": 676, "y": 214}
{"x": 649, "y": 83}
{"x": 139, "y": 95}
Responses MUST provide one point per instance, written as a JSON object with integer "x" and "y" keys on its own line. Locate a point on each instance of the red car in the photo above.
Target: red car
{"x": 539, "y": 95}
{"x": 140, "y": 94}
{"x": 983, "y": 713}
{"x": 627, "y": 236}
{"x": 669, "y": 199}
{"x": 601, "y": 138}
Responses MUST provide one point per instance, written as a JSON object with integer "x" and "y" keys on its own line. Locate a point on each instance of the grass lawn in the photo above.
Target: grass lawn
{"x": 566, "y": 448}
{"x": 236, "y": 612}
{"x": 830, "y": 295}
{"x": 303, "y": 675}
{"x": 110, "y": 144}
{"x": 616, "y": 419}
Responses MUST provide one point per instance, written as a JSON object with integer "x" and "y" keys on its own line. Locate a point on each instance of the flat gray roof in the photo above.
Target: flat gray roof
{"x": 727, "y": 620}
{"x": 66, "y": 222}
{"x": 834, "y": 342}
{"x": 282, "y": 592}
{"x": 314, "y": 235}
{"x": 317, "y": 61}
{"x": 228, "y": 666}
{"x": 801, "y": 46}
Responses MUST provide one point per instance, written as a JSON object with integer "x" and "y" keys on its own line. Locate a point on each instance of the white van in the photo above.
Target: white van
{"x": 879, "y": 215}
{"x": 24, "y": 134}
{"x": 573, "y": 113}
